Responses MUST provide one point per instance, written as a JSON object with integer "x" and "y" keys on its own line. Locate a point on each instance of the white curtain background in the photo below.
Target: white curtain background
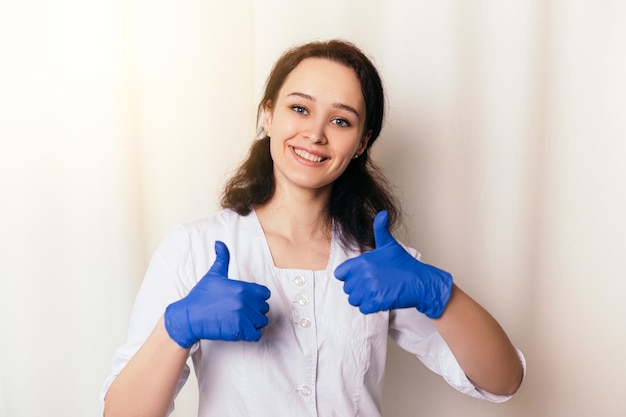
{"x": 505, "y": 138}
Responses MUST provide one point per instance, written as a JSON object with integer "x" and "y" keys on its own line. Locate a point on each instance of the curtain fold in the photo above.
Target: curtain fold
{"x": 118, "y": 120}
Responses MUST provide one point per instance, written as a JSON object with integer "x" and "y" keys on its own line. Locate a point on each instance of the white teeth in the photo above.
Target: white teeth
{"x": 307, "y": 156}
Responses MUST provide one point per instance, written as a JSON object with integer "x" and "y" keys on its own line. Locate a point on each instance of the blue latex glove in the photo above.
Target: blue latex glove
{"x": 218, "y": 308}
{"x": 388, "y": 277}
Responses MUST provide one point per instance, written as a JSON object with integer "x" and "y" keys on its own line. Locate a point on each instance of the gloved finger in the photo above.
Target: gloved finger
{"x": 350, "y": 283}
{"x": 368, "y": 308}
{"x": 222, "y": 258}
{"x": 343, "y": 270}
{"x": 382, "y": 236}
{"x": 252, "y": 335}
{"x": 257, "y": 304}
{"x": 252, "y": 318}
{"x": 354, "y": 299}
{"x": 248, "y": 332}
{"x": 264, "y": 308}
{"x": 258, "y": 320}
{"x": 257, "y": 290}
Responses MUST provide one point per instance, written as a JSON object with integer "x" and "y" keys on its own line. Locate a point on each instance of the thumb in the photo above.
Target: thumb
{"x": 220, "y": 266}
{"x": 381, "y": 231}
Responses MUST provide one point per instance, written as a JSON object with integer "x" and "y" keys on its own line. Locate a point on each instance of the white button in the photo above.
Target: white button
{"x": 303, "y": 301}
{"x": 305, "y": 390}
{"x": 299, "y": 281}
{"x": 305, "y": 322}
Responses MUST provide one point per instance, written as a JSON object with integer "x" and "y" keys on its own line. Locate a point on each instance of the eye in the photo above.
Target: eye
{"x": 340, "y": 122}
{"x": 299, "y": 109}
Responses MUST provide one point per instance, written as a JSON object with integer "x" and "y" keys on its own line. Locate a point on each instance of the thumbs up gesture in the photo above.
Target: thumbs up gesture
{"x": 388, "y": 277}
{"x": 218, "y": 308}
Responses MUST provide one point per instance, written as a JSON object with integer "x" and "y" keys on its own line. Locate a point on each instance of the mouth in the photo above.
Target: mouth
{"x": 308, "y": 156}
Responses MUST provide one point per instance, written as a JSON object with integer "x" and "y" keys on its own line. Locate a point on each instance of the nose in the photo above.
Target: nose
{"x": 314, "y": 131}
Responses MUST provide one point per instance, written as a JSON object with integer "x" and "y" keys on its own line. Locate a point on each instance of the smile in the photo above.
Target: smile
{"x": 308, "y": 156}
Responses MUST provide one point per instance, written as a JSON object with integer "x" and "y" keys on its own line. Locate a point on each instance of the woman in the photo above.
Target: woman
{"x": 305, "y": 282}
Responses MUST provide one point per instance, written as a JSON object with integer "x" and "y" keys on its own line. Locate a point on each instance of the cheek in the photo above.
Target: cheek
{"x": 349, "y": 147}
{"x": 282, "y": 124}
{"x": 278, "y": 148}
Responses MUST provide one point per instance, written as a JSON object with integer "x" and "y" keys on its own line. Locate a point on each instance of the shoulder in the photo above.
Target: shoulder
{"x": 222, "y": 219}
{"x": 200, "y": 232}
{"x": 221, "y": 225}
{"x": 225, "y": 225}
{"x": 192, "y": 244}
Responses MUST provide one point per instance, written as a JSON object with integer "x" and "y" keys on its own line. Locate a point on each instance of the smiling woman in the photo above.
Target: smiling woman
{"x": 315, "y": 135}
{"x": 351, "y": 104}
{"x": 305, "y": 281}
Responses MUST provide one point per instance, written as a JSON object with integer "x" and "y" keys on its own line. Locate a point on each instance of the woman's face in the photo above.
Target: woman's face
{"x": 316, "y": 124}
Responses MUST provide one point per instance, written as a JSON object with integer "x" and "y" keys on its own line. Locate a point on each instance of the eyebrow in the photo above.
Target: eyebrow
{"x": 336, "y": 105}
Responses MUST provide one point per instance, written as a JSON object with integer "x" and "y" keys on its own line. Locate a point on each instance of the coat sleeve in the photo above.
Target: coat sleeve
{"x": 415, "y": 333}
{"x": 169, "y": 277}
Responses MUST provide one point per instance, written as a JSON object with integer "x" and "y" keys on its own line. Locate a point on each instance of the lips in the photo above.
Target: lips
{"x": 308, "y": 156}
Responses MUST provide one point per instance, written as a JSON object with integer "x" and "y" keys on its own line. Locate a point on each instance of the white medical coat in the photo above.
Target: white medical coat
{"x": 318, "y": 356}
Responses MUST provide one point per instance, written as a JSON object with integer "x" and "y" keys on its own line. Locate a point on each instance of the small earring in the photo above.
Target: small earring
{"x": 355, "y": 156}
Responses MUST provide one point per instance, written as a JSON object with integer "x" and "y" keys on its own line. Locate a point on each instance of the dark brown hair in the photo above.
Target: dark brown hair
{"x": 361, "y": 191}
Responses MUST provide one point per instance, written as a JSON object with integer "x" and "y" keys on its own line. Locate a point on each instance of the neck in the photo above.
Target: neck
{"x": 297, "y": 215}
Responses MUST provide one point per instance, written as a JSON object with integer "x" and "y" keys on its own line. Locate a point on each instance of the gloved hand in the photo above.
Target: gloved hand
{"x": 388, "y": 277}
{"x": 218, "y": 308}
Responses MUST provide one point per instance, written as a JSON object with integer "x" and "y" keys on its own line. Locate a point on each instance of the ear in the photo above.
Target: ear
{"x": 267, "y": 117}
{"x": 363, "y": 144}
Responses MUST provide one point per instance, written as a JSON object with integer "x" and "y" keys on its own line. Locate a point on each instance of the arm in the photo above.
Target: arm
{"x": 147, "y": 384}
{"x": 216, "y": 308}
{"x": 480, "y": 345}
{"x": 388, "y": 277}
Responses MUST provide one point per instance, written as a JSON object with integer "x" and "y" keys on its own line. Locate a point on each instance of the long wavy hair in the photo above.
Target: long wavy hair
{"x": 361, "y": 191}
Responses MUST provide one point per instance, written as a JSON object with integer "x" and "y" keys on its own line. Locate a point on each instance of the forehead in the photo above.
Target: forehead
{"x": 326, "y": 79}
